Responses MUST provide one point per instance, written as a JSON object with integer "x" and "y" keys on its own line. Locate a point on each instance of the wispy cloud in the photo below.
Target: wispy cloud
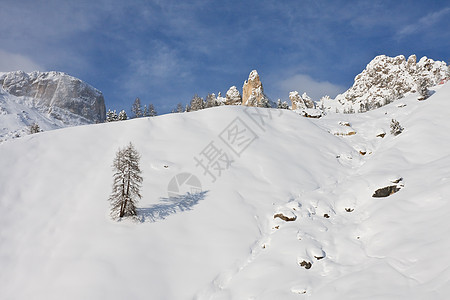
{"x": 424, "y": 23}
{"x": 14, "y": 62}
{"x": 305, "y": 83}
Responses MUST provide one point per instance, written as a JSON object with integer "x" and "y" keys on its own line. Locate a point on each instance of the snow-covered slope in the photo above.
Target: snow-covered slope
{"x": 58, "y": 241}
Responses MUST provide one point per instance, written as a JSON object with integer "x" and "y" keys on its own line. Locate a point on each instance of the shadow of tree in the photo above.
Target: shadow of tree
{"x": 171, "y": 206}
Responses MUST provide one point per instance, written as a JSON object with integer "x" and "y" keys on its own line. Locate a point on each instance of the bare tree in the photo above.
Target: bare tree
{"x": 127, "y": 182}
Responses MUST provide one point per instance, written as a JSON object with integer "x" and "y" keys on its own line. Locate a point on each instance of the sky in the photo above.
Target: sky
{"x": 165, "y": 52}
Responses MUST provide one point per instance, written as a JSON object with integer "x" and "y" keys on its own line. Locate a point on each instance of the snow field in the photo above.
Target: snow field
{"x": 57, "y": 240}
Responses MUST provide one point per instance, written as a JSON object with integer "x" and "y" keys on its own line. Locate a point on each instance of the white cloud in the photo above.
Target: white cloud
{"x": 305, "y": 83}
{"x": 15, "y": 62}
{"x": 424, "y": 22}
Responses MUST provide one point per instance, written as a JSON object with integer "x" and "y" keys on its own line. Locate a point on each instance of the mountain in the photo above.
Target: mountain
{"x": 386, "y": 79}
{"x": 50, "y": 99}
{"x": 281, "y": 207}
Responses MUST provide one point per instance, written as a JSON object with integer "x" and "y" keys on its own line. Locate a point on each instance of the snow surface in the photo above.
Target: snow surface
{"x": 57, "y": 240}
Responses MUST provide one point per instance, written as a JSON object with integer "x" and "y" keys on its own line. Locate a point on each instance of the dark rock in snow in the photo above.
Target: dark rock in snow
{"x": 386, "y": 191}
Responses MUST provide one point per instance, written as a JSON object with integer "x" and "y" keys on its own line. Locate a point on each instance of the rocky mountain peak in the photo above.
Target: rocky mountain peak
{"x": 57, "y": 94}
{"x": 300, "y": 102}
{"x": 389, "y": 78}
{"x": 252, "y": 91}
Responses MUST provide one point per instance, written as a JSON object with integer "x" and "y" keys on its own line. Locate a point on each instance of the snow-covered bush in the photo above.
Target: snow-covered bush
{"x": 396, "y": 128}
{"x": 34, "y": 128}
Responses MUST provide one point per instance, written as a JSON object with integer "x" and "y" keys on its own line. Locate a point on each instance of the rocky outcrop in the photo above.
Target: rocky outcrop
{"x": 300, "y": 102}
{"x": 253, "y": 92}
{"x": 233, "y": 97}
{"x": 59, "y": 94}
{"x": 386, "y": 79}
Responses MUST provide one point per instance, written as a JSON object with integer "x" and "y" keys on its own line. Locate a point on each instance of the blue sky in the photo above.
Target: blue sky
{"x": 164, "y": 52}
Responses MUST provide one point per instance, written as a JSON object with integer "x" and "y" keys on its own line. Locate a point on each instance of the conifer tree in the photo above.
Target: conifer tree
{"x": 136, "y": 109}
{"x": 127, "y": 182}
{"x": 111, "y": 116}
{"x": 145, "y": 112}
{"x": 197, "y": 103}
{"x": 422, "y": 88}
{"x": 211, "y": 101}
{"x": 179, "y": 108}
{"x": 123, "y": 115}
{"x": 151, "y": 111}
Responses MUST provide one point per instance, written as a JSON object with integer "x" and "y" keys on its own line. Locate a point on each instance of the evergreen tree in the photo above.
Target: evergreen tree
{"x": 145, "y": 113}
{"x": 111, "y": 116}
{"x": 282, "y": 105}
{"x": 151, "y": 111}
{"x": 422, "y": 89}
{"x": 127, "y": 182}
{"x": 211, "y": 101}
{"x": 179, "y": 108}
{"x": 136, "y": 109}
{"x": 264, "y": 102}
{"x": 122, "y": 116}
{"x": 197, "y": 103}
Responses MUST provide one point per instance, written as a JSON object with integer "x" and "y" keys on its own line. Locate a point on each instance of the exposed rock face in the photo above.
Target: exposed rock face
{"x": 233, "y": 97}
{"x": 58, "y": 94}
{"x": 300, "y": 102}
{"x": 388, "y": 78}
{"x": 253, "y": 92}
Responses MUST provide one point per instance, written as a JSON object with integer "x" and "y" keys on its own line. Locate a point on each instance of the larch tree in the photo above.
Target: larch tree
{"x": 127, "y": 182}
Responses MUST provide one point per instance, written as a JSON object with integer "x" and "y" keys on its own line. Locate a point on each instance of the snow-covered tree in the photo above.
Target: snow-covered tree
{"x": 264, "y": 102}
{"x": 422, "y": 89}
{"x": 127, "y": 182}
{"x": 233, "y": 96}
{"x": 179, "y": 108}
{"x": 145, "y": 112}
{"x": 197, "y": 103}
{"x": 123, "y": 115}
{"x": 111, "y": 116}
{"x": 211, "y": 101}
{"x": 151, "y": 111}
{"x": 396, "y": 128}
{"x": 136, "y": 109}
{"x": 34, "y": 128}
{"x": 282, "y": 105}
{"x": 187, "y": 108}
